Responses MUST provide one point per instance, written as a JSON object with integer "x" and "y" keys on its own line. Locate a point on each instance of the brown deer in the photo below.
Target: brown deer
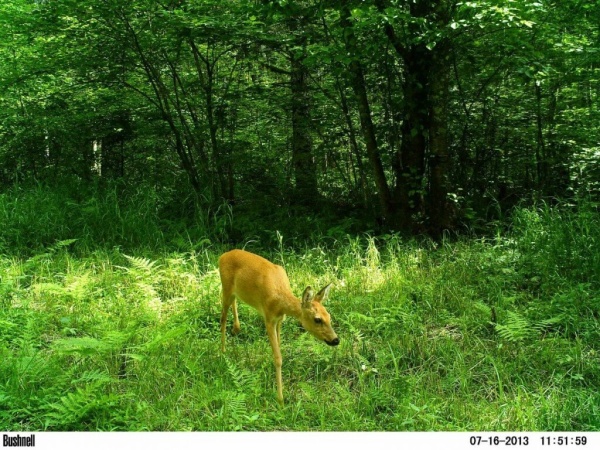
{"x": 265, "y": 286}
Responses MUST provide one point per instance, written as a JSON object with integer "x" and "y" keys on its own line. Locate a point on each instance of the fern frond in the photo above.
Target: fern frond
{"x": 70, "y": 408}
{"x": 236, "y": 406}
{"x": 543, "y": 325}
{"x": 62, "y": 244}
{"x": 517, "y": 328}
{"x": 244, "y": 380}
{"x": 485, "y": 309}
{"x": 142, "y": 264}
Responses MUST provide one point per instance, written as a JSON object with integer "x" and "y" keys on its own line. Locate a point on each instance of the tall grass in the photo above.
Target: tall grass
{"x": 560, "y": 242}
{"x": 479, "y": 334}
{"x": 114, "y": 216}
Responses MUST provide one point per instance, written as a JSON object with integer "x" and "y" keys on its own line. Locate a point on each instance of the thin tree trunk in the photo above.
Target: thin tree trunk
{"x": 540, "y": 148}
{"x": 354, "y": 146}
{"x": 212, "y": 127}
{"x": 357, "y": 80}
{"x": 303, "y": 161}
{"x": 439, "y": 211}
{"x": 410, "y": 171}
{"x": 162, "y": 102}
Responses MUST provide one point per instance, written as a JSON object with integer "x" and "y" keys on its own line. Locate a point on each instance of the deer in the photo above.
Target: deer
{"x": 265, "y": 286}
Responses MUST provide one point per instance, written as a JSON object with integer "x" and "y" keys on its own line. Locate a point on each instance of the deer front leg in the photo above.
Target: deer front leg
{"x": 223, "y": 327}
{"x": 272, "y": 332}
{"x": 226, "y": 299}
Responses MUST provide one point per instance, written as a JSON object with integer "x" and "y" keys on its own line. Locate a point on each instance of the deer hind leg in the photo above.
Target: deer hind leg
{"x": 227, "y": 298}
{"x": 279, "y": 332}
{"x": 236, "y": 321}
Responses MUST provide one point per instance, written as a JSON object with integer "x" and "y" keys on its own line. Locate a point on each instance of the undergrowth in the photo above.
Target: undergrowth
{"x": 472, "y": 334}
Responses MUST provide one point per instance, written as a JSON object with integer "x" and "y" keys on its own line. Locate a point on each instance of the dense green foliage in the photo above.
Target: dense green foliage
{"x": 469, "y": 334}
{"x": 415, "y": 116}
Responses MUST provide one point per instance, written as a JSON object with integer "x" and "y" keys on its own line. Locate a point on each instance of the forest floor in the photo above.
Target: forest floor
{"x": 491, "y": 334}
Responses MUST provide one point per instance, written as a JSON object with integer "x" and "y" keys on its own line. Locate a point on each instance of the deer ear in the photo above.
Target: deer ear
{"x": 307, "y": 297}
{"x": 323, "y": 294}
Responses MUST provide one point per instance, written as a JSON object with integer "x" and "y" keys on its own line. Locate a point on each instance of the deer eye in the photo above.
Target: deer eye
{"x": 318, "y": 320}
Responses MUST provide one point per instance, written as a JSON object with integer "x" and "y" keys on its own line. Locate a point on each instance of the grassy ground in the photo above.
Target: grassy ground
{"x": 496, "y": 334}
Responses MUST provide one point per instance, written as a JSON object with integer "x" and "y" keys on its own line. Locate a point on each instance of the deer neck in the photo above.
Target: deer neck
{"x": 291, "y": 306}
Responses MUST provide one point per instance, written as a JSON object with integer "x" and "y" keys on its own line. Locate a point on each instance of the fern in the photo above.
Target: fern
{"x": 143, "y": 265}
{"x": 236, "y": 406}
{"x": 70, "y": 409}
{"x": 516, "y": 329}
{"x": 543, "y": 325}
{"x": 485, "y": 309}
{"x": 244, "y": 380}
{"x": 234, "y": 411}
{"x": 75, "y": 410}
{"x": 62, "y": 244}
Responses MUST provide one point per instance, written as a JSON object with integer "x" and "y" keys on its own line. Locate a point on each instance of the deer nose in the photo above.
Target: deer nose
{"x": 335, "y": 341}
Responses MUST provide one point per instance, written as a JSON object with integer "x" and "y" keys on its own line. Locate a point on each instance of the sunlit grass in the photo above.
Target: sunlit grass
{"x": 448, "y": 336}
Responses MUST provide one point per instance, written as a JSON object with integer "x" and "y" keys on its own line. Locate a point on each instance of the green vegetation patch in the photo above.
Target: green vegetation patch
{"x": 478, "y": 334}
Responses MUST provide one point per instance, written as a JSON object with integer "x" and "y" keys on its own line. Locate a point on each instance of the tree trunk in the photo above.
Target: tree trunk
{"x": 362, "y": 187}
{"x": 439, "y": 162}
{"x": 540, "y": 148}
{"x": 218, "y": 162}
{"x": 410, "y": 166}
{"x": 424, "y": 127}
{"x": 357, "y": 80}
{"x": 303, "y": 161}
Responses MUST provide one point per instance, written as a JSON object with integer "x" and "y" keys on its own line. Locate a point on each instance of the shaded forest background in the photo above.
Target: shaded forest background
{"x": 233, "y": 117}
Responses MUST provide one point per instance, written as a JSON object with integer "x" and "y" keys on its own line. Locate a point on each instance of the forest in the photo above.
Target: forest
{"x": 437, "y": 161}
